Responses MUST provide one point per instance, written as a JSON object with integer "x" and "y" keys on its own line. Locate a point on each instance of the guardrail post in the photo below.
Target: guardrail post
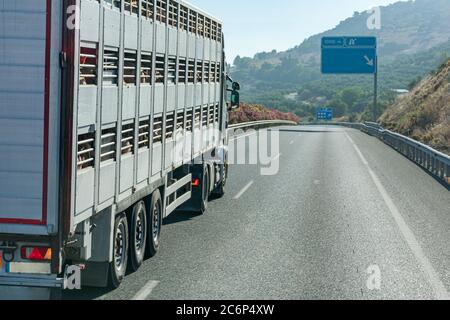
{"x": 428, "y": 162}
{"x": 445, "y": 172}
{"x": 433, "y": 170}
{"x": 441, "y": 170}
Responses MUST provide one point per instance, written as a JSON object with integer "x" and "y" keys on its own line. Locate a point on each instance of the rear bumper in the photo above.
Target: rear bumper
{"x": 25, "y": 293}
{"x": 28, "y": 287}
{"x": 29, "y": 280}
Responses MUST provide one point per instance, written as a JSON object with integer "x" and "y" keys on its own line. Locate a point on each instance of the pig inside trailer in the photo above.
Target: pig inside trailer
{"x": 112, "y": 116}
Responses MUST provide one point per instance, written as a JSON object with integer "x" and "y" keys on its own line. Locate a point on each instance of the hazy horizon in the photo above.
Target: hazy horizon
{"x": 302, "y": 18}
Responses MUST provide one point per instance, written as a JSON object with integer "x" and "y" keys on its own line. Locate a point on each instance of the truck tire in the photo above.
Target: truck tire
{"x": 219, "y": 192}
{"x": 155, "y": 217}
{"x": 205, "y": 192}
{"x": 118, "y": 267}
{"x": 138, "y": 236}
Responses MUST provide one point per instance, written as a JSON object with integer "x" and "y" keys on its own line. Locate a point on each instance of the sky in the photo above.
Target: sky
{"x": 253, "y": 26}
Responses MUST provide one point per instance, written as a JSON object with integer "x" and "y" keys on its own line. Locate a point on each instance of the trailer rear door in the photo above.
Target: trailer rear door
{"x": 30, "y": 43}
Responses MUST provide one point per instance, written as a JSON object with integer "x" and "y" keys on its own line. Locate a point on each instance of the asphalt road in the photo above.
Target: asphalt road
{"x": 345, "y": 217}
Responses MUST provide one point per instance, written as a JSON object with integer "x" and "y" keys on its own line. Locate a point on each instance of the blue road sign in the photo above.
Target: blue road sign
{"x": 349, "y": 55}
{"x": 324, "y": 114}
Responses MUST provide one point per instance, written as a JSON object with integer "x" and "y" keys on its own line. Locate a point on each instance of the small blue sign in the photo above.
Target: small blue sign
{"x": 349, "y": 55}
{"x": 324, "y": 114}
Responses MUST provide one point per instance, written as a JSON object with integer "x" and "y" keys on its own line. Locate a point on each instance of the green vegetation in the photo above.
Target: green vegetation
{"x": 413, "y": 41}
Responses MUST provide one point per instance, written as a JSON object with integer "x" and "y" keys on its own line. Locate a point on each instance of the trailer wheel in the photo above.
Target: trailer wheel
{"x": 219, "y": 192}
{"x": 118, "y": 266}
{"x": 155, "y": 217}
{"x": 205, "y": 191}
{"x": 138, "y": 236}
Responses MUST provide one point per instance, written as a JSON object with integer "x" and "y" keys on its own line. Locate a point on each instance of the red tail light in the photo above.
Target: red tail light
{"x": 36, "y": 253}
{"x": 196, "y": 183}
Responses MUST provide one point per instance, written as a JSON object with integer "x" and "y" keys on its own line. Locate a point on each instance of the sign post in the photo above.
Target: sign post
{"x": 351, "y": 55}
{"x": 375, "y": 94}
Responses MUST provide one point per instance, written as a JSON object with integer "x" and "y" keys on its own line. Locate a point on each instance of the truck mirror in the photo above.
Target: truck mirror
{"x": 235, "y": 99}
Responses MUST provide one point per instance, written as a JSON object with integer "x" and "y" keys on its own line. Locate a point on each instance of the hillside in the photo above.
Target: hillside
{"x": 414, "y": 39}
{"x": 424, "y": 114}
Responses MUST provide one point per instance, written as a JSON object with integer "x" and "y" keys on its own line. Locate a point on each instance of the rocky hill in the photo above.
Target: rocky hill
{"x": 413, "y": 40}
{"x": 424, "y": 114}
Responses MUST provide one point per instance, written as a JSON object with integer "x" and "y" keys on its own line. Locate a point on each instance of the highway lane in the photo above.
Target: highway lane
{"x": 341, "y": 204}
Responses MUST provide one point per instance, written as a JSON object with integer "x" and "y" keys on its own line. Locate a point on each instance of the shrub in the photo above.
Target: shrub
{"x": 249, "y": 112}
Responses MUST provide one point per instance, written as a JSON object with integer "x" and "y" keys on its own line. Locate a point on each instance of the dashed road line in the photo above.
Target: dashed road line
{"x": 146, "y": 290}
{"x": 241, "y": 193}
{"x": 276, "y": 157}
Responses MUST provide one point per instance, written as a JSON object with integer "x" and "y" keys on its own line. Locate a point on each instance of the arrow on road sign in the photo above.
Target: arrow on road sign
{"x": 370, "y": 62}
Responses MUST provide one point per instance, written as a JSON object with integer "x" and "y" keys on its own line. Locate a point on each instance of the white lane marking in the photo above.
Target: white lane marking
{"x": 241, "y": 193}
{"x": 276, "y": 157}
{"x": 146, "y": 290}
{"x": 433, "y": 277}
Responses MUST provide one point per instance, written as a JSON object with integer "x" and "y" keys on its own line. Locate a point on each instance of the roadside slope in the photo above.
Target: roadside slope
{"x": 424, "y": 114}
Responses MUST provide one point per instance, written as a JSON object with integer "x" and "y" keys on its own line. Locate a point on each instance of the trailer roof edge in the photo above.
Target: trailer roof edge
{"x": 188, "y": 4}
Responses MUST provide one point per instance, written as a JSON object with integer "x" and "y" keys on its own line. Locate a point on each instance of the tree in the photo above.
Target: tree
{"x": 351, "y": 96}
{"x": 339, "y": 107}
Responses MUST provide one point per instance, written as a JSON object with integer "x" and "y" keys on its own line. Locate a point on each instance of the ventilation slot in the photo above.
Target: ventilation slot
{"x": 199, "y": 71}
{"x": 173, "y": 14}
{"x": 146, "y": 68}
{"x": 144, "y": 134}
{"x": 108, "y": 147}
{"x": 159, "y": 68}
{"x": 182, "y": 70}
{"x": 85, "y": 154}
{"x": 129, "y": 72}
{"x": 147, "y": 9}
{"x": 161, "y": 11}
{"x": 110, "y": 66}
{"x": 88, "y": 65}
{"x": 127, "y": 139}
{"x": 189, "y": 119}
{"x": 157, "y": 129}
{"x": 170, "y": 124}
{"x": 191, "y": 71}
{"x": 132, "y": 6}
{"x": 205, "y": 116}
{"x": 197, "y": 120}
{"x": 183, "y": 18}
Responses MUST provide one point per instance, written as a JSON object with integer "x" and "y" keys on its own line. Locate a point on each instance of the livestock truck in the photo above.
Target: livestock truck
{"x": 113, "y": 115}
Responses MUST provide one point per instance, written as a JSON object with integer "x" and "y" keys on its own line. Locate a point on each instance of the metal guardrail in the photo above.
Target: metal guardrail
{"x": 433, "y": 161}
{"x": 261, "y": 124}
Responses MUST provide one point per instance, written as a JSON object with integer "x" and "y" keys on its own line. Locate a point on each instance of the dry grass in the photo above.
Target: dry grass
{"x": 424, "y": 114}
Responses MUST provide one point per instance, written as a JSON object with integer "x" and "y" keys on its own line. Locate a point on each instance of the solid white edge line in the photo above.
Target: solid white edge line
{"x": 241, "y": 193}
{"x": 146, "y": 290}
{"x": 433, "y": 277}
